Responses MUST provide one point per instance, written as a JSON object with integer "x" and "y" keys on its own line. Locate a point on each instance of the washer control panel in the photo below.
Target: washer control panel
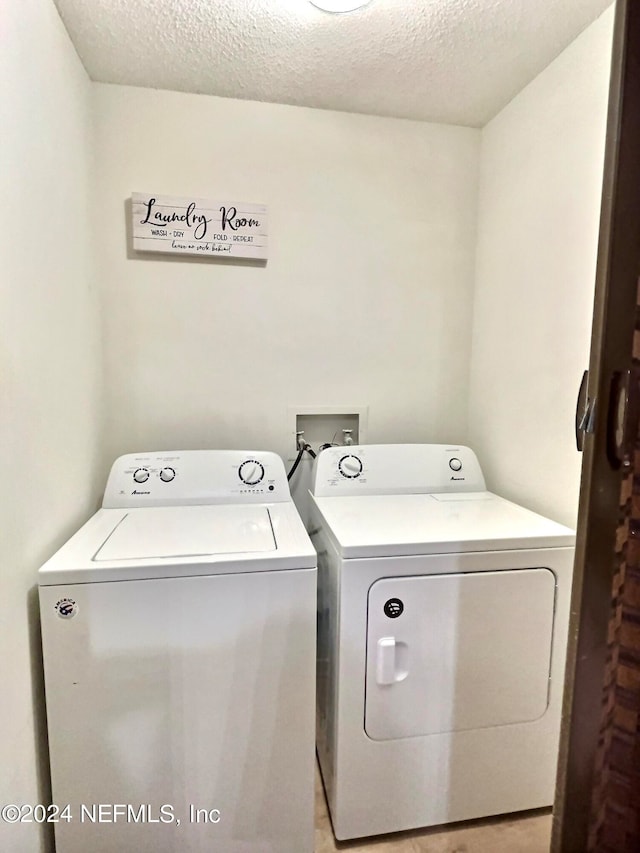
{"x": 251, "y": 472}
{"x": 141, "y": 475}
{"x": 196, "y": 477}
{"x": 388, "y": 469}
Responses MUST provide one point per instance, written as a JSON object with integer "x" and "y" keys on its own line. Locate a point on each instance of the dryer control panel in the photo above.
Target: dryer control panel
{"x": 196, "y": 477}
{"x": 396, "y": 469}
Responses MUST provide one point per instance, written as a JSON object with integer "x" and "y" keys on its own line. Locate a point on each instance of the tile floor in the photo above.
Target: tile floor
{"x": 528, "y": 833}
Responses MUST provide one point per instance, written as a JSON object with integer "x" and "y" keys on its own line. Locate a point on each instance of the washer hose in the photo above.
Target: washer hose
{"x": 303, "y": 448}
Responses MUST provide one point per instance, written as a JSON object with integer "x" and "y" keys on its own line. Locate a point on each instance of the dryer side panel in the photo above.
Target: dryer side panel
{"x": 458, "y": 652}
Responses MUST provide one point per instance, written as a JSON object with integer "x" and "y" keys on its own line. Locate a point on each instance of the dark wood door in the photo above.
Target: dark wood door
{"x": 598, "y": 788}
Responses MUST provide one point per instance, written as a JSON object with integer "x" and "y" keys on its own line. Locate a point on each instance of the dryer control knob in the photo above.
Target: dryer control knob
{"x": 350, "y": 466}
{"x": 141, "y": 475}
{"x": 167, "y": 475}
{"x": 455, "y": 464}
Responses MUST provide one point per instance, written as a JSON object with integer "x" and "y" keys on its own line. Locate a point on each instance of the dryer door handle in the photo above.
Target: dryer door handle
{"x": 386, "y": 661}
{"x": 391, "y": 661}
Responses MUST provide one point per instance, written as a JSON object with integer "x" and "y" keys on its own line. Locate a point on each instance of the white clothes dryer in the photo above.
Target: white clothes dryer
{"x": 443, "y": 618}
{"x": 178, "y": 630}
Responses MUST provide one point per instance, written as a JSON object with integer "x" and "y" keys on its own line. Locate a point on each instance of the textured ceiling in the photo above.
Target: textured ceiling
{"x": 455, "y": 61}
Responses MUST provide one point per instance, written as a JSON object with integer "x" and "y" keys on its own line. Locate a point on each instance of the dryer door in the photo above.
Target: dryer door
{"x": 453, "y": 652}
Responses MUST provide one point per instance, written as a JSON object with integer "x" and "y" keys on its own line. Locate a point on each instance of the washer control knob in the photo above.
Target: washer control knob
{"x": 167, "y": 475}
{"x": 141, "y": 475}
{"x": 350, "y": 466}
{"x": 251, "y": 472}
{"x": 455, "y": 464}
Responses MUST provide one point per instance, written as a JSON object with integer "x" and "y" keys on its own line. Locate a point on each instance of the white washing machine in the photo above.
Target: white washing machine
{"x": 443, "y": 617}
{"x": 178, "y": 630}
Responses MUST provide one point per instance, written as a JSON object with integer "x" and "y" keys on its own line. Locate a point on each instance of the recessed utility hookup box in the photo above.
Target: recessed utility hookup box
{"x": 325, "y": 424}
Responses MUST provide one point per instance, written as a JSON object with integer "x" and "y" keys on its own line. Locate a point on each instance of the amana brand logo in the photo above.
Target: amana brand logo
{"x": 136, "y": 492}
{"x": 66, "y": 608}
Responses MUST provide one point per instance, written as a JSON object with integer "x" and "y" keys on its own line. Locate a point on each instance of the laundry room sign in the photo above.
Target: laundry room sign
{"x": 196, "y": 226}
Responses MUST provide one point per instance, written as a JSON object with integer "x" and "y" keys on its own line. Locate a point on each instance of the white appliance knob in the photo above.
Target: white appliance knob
{"x": 141, "y": 475}
{"x": 455, "y": 464}
{"x": 167, "y": 475}
{"x": 350, "y": 466}
{"x": 251, "y": 472}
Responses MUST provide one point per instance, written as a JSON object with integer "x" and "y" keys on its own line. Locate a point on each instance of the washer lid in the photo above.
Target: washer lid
{"x": 404, "y": 525}
{"x": 147, "y": 543}
{"x": 166, "y": 532}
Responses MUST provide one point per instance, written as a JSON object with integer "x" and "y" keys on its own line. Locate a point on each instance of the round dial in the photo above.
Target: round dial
{"x": 251, "y": 472}
{"x": 167, "y": 475}
{"x": 350, "y": 466}
{"x": 455, "y": 464}
{"x": 141, "y": 475}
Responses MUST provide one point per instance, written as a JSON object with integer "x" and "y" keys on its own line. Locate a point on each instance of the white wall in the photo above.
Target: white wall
{"x": 51, "y": 379}
{"x": 365, "y": 299}
{"x": 540, "y": 188}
